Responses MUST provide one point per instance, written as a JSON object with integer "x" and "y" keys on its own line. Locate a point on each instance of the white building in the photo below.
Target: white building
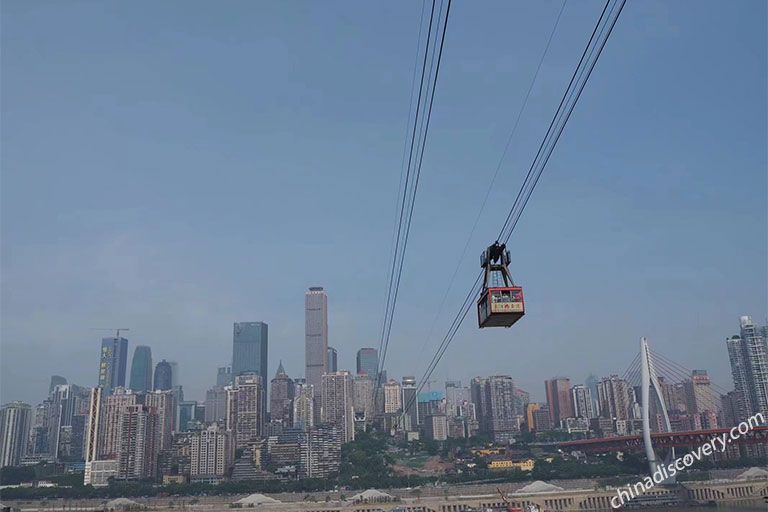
{"x": 212, "y": 452}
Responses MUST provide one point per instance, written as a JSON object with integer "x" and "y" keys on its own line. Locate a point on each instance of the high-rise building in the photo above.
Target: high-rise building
{"x": 281, "y": 396}
{"x": 15, "y": 422}
{"x": 250, "y": 408}
{"x": 502, "y": 420}
{"x": 558, "y": 399}
{"x": 250, "y": 350}
{"x": 581, "y": 402}
{"x": 698, "y": 394}
{"x": 615, "y": 397}
{"x": 522, "y": 399}
{"x": 163, "y": 376}
{"x": 66, "y": 428}
{"x": 93, "y": 435}
{"x": 139, "y": 445}
{"x": 392, "y": 397}
{"x": 529, "y": 410}
{"x": 436, "y": 427}
{"x": 410, "y": 404}
{"x": 212, "y": 452}
{"x": 362, "y": 386}
{"x": 479, "y": 398}
{"x": 748, "y": 354}
{"x": 224, "y": 376}
{"x": 337, "y": 403}
{"x": 164, "y": 403}
{"x": 321, "y": 452}
{"x": 216, "y": 405}
{"x": 316, "y": 340}
{"x": 114, "y": 356}
{"x": 113, "y": 408}
{"x": 303, "y": 404}
{"x": 333, "y": 360}
{"x": 141, "y": 369}
{"x": 56, "y": 380}
{"x": 368, "y": 362}
{"x": 591, "y": 383}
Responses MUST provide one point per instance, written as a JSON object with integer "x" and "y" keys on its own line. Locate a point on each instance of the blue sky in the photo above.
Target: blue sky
{"x": 177, "y": 167}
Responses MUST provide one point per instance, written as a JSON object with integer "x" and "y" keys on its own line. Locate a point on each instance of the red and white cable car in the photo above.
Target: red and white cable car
{"x": 501, "y": 302}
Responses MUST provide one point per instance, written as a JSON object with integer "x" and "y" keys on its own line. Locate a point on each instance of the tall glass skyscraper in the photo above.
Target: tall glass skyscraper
{"x": 141, "y": 369}
{"x": 163, "y": 376}
{"x": 368, "y": 362}
{"x": 316, "y": 339}
{"x": 249, "y": 350}
{"x": 333, "y": 360}
{"x": 114, "y": 356}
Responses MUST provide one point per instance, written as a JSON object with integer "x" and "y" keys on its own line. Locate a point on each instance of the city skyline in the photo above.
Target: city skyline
{"x": 650, "y": 226}
{"x": 170, "y": 370}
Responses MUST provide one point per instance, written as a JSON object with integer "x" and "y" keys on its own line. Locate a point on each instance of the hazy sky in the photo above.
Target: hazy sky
{"x": 175, "y": 167}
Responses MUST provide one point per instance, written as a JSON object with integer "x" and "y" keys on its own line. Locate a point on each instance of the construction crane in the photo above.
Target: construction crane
{"x": 117, "y": 330}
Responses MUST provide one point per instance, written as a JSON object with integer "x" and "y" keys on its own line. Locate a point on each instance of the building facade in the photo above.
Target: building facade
{"x": 316, "y": 340}
{"x": 15, "y": 422}
{"x": 141, "y": 369}
{"x": 250, "y": 406}
{"x": 337, "y": 403}
{"x": 749, "y": 366}
{"x": 333, "y": 360}
{"x": 250, "y": 350}
{"x": 114, "y": 355}
{"x": 163, "y": 376}
{"x": 558, "y": 399}
{"x": 368, "y": 362}
{"x": 282, "y": 392}
{"x": 212, "y": 452}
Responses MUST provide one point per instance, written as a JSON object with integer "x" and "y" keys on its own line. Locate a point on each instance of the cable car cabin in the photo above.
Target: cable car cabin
{"x": 501, "y": 301}
{"x": 500, "y": 307}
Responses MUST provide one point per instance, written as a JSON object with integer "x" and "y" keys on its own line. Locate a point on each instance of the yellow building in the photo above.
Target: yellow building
{"x": 529, "y": 415}
{"x": 174, "y": 479}
{"x": 523, "y": 465}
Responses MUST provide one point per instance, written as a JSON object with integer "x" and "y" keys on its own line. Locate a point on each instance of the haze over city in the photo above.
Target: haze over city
{"x": 202, "y": 167}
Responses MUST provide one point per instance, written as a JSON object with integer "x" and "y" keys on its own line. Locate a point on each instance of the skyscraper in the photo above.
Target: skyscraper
{"x": 141, "y": 369}
{"x": 303, "y": 405}
{"x": 392, "y": 398}
{"x": 15, "y": 422}
{"x": 502, "y": 420}
{"x": 615, "y": 397}
{"x": 410, "y": 403}
{"x": 250, "y": 408}
{"x": 56, "y": 380}
{"x": 337, "y": 404}
{"x": 368, "y": 362}
{"x": 558, "y": 400}
{"x": 316, "y": 340}
{"x": 224, "y": 376}
{"x": 138, "y": 445}
{"x": 249, "y": 350}
{"x": 164, "y": 403}
{"x": 363, "y": 396}
{"x": 281, "y": 398}
{"x": 114, "y": 355}
{"x": 211, "y": 452}
{"x": 163, "y": 376}
{"x": 749, "y": 366}
{"x": 581, "y": 402}
{"x": 333, "y": 360}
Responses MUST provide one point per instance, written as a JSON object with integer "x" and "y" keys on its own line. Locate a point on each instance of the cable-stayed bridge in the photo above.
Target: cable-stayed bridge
{"x": 669, "y": 407}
